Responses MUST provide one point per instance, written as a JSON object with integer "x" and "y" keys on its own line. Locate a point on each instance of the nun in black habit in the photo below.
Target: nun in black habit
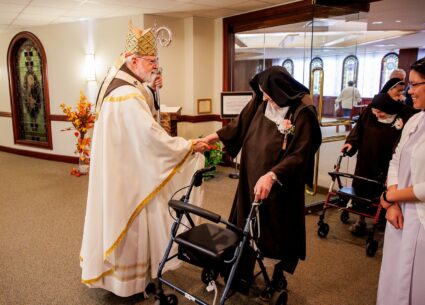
{"x": 374, "y": 139}
{"x": 278, "y": 135}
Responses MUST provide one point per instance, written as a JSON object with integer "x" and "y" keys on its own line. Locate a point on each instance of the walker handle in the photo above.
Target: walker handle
{"x": 180, "y": 206}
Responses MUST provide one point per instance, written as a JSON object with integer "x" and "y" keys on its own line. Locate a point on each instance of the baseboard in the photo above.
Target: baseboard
{"x": 39, "y": 155}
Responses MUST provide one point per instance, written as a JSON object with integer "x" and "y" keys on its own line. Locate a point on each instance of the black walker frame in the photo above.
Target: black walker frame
{"x": 217, "y": 251}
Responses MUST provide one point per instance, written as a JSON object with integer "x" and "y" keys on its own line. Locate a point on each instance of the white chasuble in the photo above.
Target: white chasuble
{"x": 135, "y": 169}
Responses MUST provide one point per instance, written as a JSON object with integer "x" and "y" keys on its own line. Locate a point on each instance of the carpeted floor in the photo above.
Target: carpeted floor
{"x": 42, "y": 211}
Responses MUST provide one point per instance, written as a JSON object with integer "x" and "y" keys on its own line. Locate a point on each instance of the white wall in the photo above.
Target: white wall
{"x": 190, "y": 68}
{"x": 65, "y": 46}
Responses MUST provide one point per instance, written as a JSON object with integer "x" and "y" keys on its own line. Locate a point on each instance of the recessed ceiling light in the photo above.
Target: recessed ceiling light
{"x": 383, "y": 45}
{"x": 377, "y": 22}
{"x": 398, "y": 21}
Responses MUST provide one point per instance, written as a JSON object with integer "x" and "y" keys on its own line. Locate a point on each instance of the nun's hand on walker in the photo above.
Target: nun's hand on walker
{"x": 262, "y": 187}
{"x": 395, "y": 216}
{"x": 346, "y": 148}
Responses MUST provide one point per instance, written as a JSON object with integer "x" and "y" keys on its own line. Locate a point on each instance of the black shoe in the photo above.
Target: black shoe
{"x": 358, "y": 229}
{"x": 266, "y": 294}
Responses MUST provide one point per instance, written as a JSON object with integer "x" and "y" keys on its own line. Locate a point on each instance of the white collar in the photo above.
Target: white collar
{"x": 276, "y": 115}
{"x": 388, "y": 120}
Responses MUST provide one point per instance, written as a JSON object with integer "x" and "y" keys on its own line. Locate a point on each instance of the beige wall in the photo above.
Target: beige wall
{"x": 192, "y": 68}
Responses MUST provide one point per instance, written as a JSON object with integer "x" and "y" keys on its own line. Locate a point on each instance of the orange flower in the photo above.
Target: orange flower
{"x": 82, "y": 119}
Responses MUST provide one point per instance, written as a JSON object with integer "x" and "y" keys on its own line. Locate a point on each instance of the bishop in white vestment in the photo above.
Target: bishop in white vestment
{"x": 135, "y": 169}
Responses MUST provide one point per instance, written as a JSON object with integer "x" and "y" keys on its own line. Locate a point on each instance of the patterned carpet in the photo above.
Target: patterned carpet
{"x": 42, "y": 212}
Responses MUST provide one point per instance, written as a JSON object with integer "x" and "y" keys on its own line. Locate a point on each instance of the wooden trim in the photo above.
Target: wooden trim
{"x": 39, "y": 155}
{"x": 199, "y": 118}
{"x": 58, "y": 117}
{"x": 5, "y": 114}
{"x": 14, "y": 44}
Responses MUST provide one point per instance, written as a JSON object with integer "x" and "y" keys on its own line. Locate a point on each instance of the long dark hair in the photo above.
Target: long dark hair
{"x": 419, "y": 66}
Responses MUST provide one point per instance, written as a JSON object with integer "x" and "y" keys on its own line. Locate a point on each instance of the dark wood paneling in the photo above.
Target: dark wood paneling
{"x": 199, "y": 118}
{"x": 39, "y": 155}
{"x": 5, "y": 114}
{"x": 58, "y": 117}
{"x": 406, "y": 57}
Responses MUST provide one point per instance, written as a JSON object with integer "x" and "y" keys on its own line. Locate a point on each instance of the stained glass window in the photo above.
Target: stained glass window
{"x": 288, "y": 64}
{"x": 30, "y": 108}
{"x": 389, "y": 64}
{"x": 350, "y": 66}
{"x": 316, "y": 62}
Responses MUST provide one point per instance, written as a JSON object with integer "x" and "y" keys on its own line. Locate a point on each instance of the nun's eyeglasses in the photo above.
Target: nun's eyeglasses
{"x": 413, "y": 85}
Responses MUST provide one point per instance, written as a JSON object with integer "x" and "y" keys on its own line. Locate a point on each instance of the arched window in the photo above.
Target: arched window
{"x": 288, "y": 64}
{"x": 29, "y": 94}
{"x": 388, "y": 64}
{"x": 350, "y": 67}
{"x": 316, "y": 62}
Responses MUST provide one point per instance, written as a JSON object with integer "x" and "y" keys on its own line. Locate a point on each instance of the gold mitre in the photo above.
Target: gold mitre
{"x": 140, "y": 42}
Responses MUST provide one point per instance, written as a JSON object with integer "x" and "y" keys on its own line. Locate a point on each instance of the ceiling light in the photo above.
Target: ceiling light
{"x": 398, "y": 21}
{"x": 383, "y": 45}
{"x": 377, "y": 22}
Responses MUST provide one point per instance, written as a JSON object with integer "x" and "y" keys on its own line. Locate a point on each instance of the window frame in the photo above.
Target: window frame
{"x": 14, "y": 45}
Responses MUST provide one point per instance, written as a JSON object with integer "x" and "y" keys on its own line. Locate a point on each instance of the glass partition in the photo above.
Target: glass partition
{"x": 327, "y": 49}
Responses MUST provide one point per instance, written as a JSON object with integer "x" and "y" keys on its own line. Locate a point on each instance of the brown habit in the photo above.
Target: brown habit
{"x": 282, "y": 214}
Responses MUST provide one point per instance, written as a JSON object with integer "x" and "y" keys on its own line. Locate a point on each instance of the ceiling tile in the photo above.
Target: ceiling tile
{"x": 66, "y": 4}
{"x": 19, "y": 2}
{"x": 42, "y": 10}
{"x": 248, "y": 5}
{"x": 36, "y": 18}
{"x": 14, "y": 8}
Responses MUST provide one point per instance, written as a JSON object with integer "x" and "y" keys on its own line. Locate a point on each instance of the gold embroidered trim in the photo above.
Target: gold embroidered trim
{"x": 112, "y": 273}
{"x": 123, "y": 98}
{"x": 134, "y": 266}
{"x": 129, "y": 277}
{"x": 109, "y": 272}
{"x": 143, "y": 204}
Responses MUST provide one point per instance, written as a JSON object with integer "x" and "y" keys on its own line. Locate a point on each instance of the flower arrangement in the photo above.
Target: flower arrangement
{"x": 398, "y": 124}
{"x": 214, "y": 156}
{"x": 82, "y": 119}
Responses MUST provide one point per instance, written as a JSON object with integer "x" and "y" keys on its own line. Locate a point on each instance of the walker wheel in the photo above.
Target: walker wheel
{"x": 279, "y": 298}
{"x": 344, "y": 216}
{"x": 280, "y": 283}
{"x": 371, "y": 247}
{"x": 208, "y": 275}
{"x": 172, "y": 299}
{"x": 167, "y": 299}
{"x": 323, "y": 230}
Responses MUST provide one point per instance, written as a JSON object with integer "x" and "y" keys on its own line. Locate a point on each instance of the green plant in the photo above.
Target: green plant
{"x": 214, "y": 156}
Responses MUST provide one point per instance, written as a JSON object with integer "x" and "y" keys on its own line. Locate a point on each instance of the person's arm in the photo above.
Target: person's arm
{"x": 358, "y": 97}
{"x": 232, "y": 135}
{"x": 305, "y": 142}
{"x": 339, "y": 98}
{"x": 355, "y": 136}
{"x": 211, "y": 138}
{"x": 394, "y": 195}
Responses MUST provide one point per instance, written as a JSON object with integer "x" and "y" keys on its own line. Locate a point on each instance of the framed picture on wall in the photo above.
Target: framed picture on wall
{"x": 232, "y": 103}
{"x": 204, "y": 106}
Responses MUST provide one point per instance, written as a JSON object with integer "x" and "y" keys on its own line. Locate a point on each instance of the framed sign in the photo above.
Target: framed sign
{"x": 204, "y": 106}
{"x": 232, "y": 103}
